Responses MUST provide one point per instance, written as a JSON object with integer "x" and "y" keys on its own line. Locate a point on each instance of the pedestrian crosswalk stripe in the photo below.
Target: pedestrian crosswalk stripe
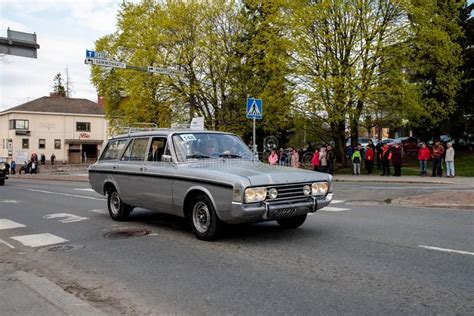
{"x": 39, "y": 240}
{"x": 88, "y": 189}
{"x": 8, "y": 224}
{"x": 334, "y": 209}
{"x": 337, "y": 201}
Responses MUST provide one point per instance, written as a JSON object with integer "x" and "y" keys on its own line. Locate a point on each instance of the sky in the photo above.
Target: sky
{"x": 64, "y": 29}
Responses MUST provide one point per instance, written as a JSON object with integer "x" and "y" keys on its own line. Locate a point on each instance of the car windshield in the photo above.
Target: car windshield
{"x": 209, "y": 145}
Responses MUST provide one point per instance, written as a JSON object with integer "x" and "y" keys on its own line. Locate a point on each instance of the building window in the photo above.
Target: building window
{"x": 25, "y": 143}
{"x": 42, "y": 143}
{"x": 83, "y": 127}
{"x": 19, "y": 124}
{"x": 57, "y": 144}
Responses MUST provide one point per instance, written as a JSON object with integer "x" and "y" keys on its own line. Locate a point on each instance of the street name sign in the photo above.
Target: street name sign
{"x": 105, "y": 63}
{"x": 254, "y": 108}
{"x": 164, "y": 71}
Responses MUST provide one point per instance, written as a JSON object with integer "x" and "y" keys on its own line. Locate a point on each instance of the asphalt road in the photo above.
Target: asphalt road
{"x": 360, "y": 256}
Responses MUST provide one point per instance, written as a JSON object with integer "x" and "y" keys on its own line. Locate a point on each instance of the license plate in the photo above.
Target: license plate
{"x": 284, "y": 212}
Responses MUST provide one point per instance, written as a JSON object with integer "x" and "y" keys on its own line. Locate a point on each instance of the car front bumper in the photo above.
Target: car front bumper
{"x": 257, "y": 212}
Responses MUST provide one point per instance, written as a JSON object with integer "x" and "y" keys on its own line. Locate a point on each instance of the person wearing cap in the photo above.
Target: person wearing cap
{"x": 449, "y": 159}
{"x": 437, "y": 155}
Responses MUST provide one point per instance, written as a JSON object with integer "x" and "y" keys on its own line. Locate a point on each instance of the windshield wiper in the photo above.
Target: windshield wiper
{"x": 229, "y": 156}
{"x": 197, "y": 156}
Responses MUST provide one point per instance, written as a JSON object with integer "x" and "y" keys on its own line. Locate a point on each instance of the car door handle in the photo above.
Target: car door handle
{"x": 115, "y": 167}
{"x": 143, "y": 169}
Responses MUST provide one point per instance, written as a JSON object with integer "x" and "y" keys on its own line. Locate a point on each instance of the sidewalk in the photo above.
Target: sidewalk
{"x": 469, "y": 181}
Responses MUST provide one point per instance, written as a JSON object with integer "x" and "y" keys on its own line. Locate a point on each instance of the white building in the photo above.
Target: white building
{"x": 68, "y": 127}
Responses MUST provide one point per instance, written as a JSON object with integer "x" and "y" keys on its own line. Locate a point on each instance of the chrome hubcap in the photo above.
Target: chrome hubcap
{"x": 201, "y": 217}
{"x": 115, "y": 203}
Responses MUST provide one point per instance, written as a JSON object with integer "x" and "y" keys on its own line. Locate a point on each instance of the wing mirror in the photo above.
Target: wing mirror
{"x": 166, "y": 158}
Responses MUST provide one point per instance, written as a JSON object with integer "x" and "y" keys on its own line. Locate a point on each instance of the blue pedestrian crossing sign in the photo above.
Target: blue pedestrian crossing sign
{"x": 254, "y": 108}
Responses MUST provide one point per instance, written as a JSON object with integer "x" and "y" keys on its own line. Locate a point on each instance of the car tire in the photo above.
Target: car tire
{"x": 292, "y": 222}
{"x": 2, "y": 182}
{"x": 202, "y": 216}
{"x": 118, "y": 210}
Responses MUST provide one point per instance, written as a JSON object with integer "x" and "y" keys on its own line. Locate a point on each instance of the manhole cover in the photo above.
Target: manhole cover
{"x": 61, "y": 248}
{"x": 126, "y": 233}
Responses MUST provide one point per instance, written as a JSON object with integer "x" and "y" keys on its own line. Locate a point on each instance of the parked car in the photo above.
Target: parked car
{"x": 410, "y": 145}
{"x": 209, "y": 178}
{"x": 3, "y": 173}
{"x": 364, "y": 141}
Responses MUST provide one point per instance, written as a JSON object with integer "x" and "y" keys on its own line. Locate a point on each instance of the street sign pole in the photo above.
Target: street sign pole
{"x": 254, "y": 140}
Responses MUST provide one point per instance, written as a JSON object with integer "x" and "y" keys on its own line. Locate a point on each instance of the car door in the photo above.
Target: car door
{"x": 130, "y": 171}
{"x": 158, "y": 180}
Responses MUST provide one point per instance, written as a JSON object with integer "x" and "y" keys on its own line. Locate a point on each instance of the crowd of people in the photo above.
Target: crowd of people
{"x": 320, "y": 158}
{"x": 31, "y": 166}
{"x": 382, "y": 156}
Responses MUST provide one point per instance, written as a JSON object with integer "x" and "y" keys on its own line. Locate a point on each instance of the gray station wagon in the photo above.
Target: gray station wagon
{"x": 210, "y": 178}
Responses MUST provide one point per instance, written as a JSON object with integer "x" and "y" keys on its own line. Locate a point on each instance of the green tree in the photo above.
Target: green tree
{"x": 341, "y": 48}
{"x": 435, "y": 61}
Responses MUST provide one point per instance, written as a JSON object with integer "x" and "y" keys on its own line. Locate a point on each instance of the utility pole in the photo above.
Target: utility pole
{"x": 68, "y": 83}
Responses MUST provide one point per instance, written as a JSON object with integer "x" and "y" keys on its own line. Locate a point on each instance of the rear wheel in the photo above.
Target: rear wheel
{"x": 118, "y": 210}
{"x": 292, "y": 222}
{"x": 203, "y": 218}
{"x": 2, "y": 182}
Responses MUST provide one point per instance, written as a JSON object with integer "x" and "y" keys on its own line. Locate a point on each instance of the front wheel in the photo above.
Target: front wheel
{"x": 118, "y": 210}
{"x": 203, "y": 218}
{"x": 292, "y": 222}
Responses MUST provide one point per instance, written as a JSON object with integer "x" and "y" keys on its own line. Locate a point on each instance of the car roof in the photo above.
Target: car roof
{"x": 165, "y": 132}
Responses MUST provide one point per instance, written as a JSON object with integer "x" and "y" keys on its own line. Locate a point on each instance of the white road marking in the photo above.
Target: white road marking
{"x": 8, "y": 224}
{"x": 99, "y": 211}
{"x": 447, "y": 250}
{"x": 7, "y": 244}
{"x": 337, "y": 201}
{"x": 9, "y": 201}
{"x": 39, "y": 240}
{"x": 89, "y": 190}
{"x": 66, "y": 194}
{"x": 68, "y": 218}
{"x": 334, "y": 209}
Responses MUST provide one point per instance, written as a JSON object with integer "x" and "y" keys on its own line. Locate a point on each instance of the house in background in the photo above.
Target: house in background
{"x": 68, "y": 127}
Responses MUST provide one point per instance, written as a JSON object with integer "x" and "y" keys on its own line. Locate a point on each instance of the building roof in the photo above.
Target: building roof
{"x": 58, "y": 104}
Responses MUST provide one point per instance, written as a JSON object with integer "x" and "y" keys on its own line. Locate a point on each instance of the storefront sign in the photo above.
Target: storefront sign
{"x": 20, "y": 132}
{"x": 84, "y": 136}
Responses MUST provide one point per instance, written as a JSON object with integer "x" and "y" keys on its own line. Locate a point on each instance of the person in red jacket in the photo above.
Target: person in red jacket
{"x": 315, "y": 160}
{"x": 369, "y": 159}
{"x": 423, "y": 156}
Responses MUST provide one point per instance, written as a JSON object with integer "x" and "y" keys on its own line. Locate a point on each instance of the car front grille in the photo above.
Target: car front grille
{"x": 289, "y": 192}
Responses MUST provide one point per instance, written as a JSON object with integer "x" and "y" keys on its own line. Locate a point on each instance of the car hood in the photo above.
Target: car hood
{"x": 257, "y": 173}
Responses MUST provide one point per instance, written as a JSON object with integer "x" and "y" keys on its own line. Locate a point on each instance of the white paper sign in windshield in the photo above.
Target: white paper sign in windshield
{"x": 187, "y": 137}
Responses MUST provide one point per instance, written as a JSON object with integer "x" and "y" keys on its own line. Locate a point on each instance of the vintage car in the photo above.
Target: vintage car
{"x": 210, "y": 178}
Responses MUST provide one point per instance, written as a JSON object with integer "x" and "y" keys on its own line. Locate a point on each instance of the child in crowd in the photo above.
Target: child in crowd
{"x": 356, "y": 159}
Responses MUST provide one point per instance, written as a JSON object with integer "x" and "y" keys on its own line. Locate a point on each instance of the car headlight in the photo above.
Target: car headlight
{"x": 2, "y": 167}
{"x": 272, "y": 193}
{"x": 319, "y": 188}
{"x": 253, "y": 195}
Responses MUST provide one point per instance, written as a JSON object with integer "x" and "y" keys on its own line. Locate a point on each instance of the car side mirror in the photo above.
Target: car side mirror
{"x": 166, "y": 158}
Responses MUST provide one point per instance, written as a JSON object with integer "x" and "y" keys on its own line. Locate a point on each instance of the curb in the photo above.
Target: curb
{"x": 56, "y": 296}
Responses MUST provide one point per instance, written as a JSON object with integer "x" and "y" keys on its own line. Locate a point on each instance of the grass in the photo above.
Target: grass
{"x": 463, "y": 164}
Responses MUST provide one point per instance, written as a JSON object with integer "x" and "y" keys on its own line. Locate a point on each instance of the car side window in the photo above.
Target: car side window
{"x": 138, "y": 150}
{"x": 157, "y": 149}
{"x": 126, "y": 154}
{"x": 113, "y": 149}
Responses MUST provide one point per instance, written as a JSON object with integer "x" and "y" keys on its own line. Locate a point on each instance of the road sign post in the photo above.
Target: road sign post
{"x": 254, "y": 112}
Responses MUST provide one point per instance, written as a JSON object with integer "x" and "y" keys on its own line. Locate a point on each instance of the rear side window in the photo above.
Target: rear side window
{"x": 136, "y": 150}
{"x": 113, "y": 149}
